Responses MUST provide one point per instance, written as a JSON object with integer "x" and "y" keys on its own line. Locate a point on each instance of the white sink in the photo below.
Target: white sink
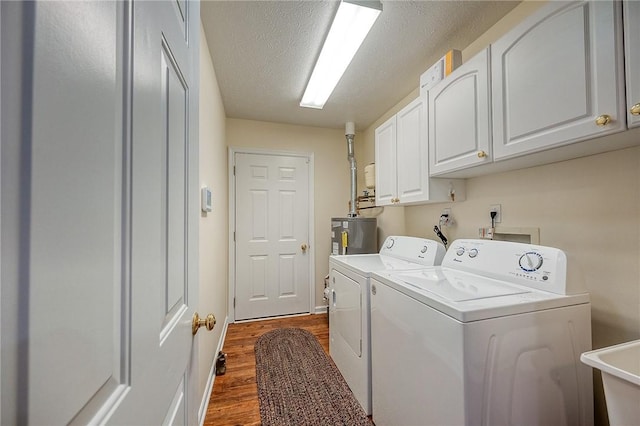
{"x": 620, "y": 366}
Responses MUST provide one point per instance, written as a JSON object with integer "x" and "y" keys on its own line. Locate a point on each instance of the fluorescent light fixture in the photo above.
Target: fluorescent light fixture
{"x": 350, "y": 26}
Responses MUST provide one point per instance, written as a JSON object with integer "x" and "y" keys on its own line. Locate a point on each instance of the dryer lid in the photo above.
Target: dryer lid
{"x": 458, "y": 287}
{"x": 365, "y": 263}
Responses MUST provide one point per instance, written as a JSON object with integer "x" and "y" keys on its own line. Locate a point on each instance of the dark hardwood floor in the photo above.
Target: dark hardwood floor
{"x": 234, "y": 400}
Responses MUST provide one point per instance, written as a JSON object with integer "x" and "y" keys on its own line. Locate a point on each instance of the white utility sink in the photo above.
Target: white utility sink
{"x": 620, "y": 366}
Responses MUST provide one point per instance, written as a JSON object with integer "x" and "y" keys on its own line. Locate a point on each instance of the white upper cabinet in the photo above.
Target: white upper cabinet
{"x": 402, "y": 165}
{"x": 459, "y": 122}
{"x": 557, "y": 78}
{"x": 632, "y": 60}
{"x": 386, "y": 178}
{"x": 412, "y": 153}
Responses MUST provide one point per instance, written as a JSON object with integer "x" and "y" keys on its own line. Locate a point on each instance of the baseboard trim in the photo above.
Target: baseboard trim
{"x": 322, "y": 309}
{"x": 202, "y": 412}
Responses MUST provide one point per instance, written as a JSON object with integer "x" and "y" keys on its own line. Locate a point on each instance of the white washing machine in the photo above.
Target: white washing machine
{"x": 349, "y": 313}
{"x": 493, "y": 337}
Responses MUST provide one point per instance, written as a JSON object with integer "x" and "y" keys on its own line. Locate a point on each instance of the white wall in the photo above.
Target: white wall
{"x": 331, "y": 178}
{"x": 214, "y": 225}
{"x": 589, "y": 207}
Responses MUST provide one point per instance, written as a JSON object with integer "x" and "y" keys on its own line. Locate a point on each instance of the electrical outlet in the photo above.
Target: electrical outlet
{"x": 498, "y": 209}
{"x": 446, "y": 219}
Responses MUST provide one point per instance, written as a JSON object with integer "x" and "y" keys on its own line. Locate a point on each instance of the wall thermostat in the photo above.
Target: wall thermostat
{"x": 205, "y": 199}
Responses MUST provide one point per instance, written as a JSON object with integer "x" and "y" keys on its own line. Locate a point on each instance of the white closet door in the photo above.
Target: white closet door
{"x": 99, "y": 212}
{"x": 272, "y": 235}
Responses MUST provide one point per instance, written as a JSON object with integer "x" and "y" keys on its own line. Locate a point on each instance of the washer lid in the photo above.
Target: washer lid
{"x": 456, "y": 287}
{"x": 366, "y": 263}
{"x": 468, "y": 297}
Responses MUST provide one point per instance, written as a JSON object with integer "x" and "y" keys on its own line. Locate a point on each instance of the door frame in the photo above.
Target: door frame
{"x": 232, "y": 221}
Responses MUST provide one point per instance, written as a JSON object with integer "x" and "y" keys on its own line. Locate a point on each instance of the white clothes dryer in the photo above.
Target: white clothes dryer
{"x": 349, "y": 312}
{"x": 492, "y": 337}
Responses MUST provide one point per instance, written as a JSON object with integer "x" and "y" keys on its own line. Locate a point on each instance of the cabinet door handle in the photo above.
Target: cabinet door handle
{"x": 482, "y": 154}
{"x": 603, "y": 120}
{"x": 635, "y": 110}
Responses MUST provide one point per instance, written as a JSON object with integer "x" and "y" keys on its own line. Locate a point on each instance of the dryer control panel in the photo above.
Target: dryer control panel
{"x": 540, "y": 267}
{"x": 419, "y": 250}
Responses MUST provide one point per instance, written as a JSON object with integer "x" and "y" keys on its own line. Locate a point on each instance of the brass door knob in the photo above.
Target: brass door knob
{"x": 198, "y": 322}
{"x": 482, "y": 154}
{"x": 304, "y": 248}
{"x": 635, "y": 110}
{"x": 603, "y": 120}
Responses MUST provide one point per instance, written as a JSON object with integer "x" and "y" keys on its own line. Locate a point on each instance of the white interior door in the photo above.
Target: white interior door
{"x": 272, "y": 230}
{"x": 99, "y": 212}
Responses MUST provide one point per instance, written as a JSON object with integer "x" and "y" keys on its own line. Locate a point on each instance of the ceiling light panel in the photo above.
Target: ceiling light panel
{"x": 348, "y": 30}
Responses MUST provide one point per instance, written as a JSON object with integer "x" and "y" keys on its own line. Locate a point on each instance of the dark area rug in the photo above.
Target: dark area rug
{"x": 298, "y": 384}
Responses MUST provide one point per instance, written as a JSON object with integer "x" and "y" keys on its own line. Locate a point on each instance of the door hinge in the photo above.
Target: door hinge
{"x": 234, "y": 170}
{"x": 234, "y": 303}
{"x": 234, "y": 236}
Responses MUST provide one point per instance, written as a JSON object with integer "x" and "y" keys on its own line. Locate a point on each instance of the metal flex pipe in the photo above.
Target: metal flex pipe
{"x": 350, "y": 134}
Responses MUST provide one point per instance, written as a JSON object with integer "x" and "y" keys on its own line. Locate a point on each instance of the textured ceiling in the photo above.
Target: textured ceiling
{"x": 264, "y": 51}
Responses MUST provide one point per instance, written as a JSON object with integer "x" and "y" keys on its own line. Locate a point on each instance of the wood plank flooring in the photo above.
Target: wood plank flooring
{"x": 234, "y": 400}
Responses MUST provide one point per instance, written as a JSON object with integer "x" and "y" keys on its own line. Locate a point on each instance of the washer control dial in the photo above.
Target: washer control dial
{"x": 473, "y": 253}
{"x": 530, "y": 261}
{"x": 460, "y": 251}
{"x": 424, "y": 249}
{"x": 390, "y": 242}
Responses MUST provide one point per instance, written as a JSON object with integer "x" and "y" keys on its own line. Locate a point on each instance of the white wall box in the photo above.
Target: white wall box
{"x": 557, "y": 78}
{"x": 402, "y": 166}
{"x": 459, "y": 121}
{"x": 631, "y": 11}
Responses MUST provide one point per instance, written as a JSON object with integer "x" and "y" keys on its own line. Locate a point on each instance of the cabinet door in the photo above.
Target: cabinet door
{"x": 412, "y": 153}
{"x": 459, "y": 130}
{"x": 554, "y": 75}
{"x": 632, "y": 60}
{"x": 386, "y": 180}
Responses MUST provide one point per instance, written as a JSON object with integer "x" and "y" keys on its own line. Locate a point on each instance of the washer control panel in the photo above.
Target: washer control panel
{"x": 531, "y": 261}
{"x": 544, "y": 268}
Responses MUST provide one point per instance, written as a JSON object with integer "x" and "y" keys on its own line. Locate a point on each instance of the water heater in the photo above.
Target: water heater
{"x": 354, "y": 235}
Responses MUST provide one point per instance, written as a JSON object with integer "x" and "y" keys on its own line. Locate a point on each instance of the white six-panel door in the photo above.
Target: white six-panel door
{"x": 272, "y": 230}
{"x": 99, "y": 212}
